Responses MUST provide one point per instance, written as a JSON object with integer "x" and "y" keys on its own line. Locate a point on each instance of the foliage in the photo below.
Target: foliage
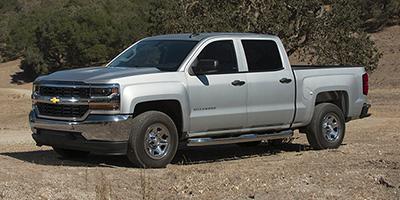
{"x": 74, "y": 33}
{"x": 331, "y": 32}
{"x": 56, "y": 34}
{"x": 33, "y": 64}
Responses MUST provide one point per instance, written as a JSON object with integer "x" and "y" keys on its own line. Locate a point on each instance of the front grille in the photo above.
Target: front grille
{"x": 64, "y": 92}
{"x": 59, "y": 110}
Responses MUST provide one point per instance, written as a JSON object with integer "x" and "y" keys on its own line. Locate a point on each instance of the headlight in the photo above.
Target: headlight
{"x": 35, "y": 91}
{"x": 35, "y": 88}
{"x": 104, "y": 92}
{"x": 105, "y": 98}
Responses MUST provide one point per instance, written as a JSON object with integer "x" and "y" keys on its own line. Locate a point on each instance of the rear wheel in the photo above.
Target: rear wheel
{"x": 327, "y": 127}
{"x": 153, "y": 140}
{"x": 68, "y": 153}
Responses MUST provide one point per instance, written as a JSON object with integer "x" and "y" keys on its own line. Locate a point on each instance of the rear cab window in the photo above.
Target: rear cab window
{"x": 262, "y": 55}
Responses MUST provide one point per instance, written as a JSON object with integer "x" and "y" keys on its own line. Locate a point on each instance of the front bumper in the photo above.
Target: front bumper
{"x": 75, "y": 141}
{"x": 99, "y": 134}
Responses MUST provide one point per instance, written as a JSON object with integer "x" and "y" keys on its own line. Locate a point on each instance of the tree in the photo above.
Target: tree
{"x": 60, "y": 34}
{"x": 81, "y": 34}
{"x": 322, "y": 32}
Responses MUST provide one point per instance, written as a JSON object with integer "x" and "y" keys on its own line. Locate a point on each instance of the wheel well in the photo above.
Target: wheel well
{"x": 170, "y": 107}
{"x": 339, "y": 98}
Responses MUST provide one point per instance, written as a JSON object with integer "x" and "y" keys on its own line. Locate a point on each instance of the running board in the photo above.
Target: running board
{"x": 239, "y": 139}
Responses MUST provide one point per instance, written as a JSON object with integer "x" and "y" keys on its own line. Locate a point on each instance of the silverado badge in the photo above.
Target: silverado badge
{"x": 54, "y": 100}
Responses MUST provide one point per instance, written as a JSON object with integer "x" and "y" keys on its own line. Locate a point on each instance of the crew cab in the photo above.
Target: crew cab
{"x": 195, "y": 90}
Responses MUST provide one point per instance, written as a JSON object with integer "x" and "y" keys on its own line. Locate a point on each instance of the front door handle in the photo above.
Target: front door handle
{"x": 285, "y": 80}
{"x": 238, "y": 83}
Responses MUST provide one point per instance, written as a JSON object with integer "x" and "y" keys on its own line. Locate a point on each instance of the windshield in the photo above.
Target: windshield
{"x": 165, "y": 55}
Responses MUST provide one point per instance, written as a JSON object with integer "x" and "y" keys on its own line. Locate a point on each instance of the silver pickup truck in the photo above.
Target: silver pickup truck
{"x": 194, "y": 89}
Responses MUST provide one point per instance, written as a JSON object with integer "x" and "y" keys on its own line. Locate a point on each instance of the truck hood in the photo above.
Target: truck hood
{"x": 96, "y": 74}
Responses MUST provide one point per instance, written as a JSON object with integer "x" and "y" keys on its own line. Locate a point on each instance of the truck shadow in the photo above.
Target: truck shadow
{"x": 210, "y": 154}
{"x": 184, "y": 156}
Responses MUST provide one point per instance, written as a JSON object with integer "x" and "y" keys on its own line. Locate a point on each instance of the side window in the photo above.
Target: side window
{"x": 223, "y": 52}
{"x": 262, "y": 55}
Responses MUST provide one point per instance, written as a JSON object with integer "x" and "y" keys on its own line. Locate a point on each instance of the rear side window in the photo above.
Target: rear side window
{"x": 262, "y": 55}
{"x": 223, "y": 52}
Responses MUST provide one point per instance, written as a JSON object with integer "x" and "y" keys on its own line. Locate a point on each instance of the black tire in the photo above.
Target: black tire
{"x": 249, "y": 144}
{"x": 138, "y": 153}
{"x": 317, "y": 135}
{"x": 68, "y": 153}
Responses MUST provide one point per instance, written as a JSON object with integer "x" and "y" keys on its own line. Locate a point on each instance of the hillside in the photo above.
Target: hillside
{"x": 386, "y": 76}
{"x": 388, "y": 73}
{"x": 366, "y": 166}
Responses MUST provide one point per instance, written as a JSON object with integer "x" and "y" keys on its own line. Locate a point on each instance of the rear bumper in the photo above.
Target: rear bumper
{"x": 364, "y": 111}
{"x": 98, "y": 134}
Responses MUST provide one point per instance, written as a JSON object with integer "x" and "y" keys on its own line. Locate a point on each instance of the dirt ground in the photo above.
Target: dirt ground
{"x": 366, "y": 166}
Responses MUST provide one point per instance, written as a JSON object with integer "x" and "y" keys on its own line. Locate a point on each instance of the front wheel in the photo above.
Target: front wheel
{"x": 153, "y": 140}
{"x": 327, "y": 127}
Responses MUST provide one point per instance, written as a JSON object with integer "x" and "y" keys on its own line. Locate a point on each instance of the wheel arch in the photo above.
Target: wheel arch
{"x": 171, "y": 107}
{"x": 338, "y": 97}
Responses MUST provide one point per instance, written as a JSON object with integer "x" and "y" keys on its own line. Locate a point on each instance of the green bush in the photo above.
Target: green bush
{"x": 58, "y": 34}
{"x": 33, "y": 64}
{"x": 73, "y": 33}
{"x": 331, "y": 32}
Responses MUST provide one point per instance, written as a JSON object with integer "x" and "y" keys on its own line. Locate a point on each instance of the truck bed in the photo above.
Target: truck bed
{"x": 305, "y": 67}
{"x": 314, "y": 79}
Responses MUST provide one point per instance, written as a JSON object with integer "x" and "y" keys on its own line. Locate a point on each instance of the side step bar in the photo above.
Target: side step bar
{"x": 239, "y": 139}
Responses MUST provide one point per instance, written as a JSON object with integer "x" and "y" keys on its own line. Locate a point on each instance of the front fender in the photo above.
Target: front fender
{"x": 139, "y": 93}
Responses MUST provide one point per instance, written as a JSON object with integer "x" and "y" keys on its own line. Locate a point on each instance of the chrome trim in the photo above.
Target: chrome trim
{"x": 36, "y": 98}
{"x": 239, "y": 139}
{"x": 95, "y": 127}
{"x": 73, "y": 100}
{"x": 77, "y": 119}
{"x": 63, "y": 100}
{"x": 80, "y": 85}
{"x": 35, "y": 108}
{"x": 233, "y": 131}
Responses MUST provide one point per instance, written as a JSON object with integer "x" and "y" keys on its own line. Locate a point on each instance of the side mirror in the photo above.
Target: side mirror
{"x": 205, "y": 66}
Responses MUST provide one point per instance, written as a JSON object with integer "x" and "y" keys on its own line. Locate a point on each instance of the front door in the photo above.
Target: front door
{"x": 218, "y": 97}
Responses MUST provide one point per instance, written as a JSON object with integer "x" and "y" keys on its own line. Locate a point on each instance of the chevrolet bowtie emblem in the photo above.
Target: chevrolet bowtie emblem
{"x": 54, "y": 100}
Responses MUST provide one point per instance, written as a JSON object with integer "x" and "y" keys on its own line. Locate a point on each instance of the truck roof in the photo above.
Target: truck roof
{"x": 202, "y": 36}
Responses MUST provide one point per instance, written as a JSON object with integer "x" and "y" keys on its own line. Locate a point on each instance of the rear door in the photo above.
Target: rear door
{"x": 218, "y": 98}
{"x": 271, "y": 86}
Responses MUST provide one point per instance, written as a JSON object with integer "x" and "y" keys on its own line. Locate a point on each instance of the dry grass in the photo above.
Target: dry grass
{"x": 366, "y": 166}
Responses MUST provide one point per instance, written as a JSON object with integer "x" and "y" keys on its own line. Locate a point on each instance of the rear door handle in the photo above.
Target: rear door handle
{"x": 285, "y": 80}
{"x": 238, "y": 83}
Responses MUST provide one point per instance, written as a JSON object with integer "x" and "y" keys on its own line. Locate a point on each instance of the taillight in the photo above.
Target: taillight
{"x": 365, "y": 83}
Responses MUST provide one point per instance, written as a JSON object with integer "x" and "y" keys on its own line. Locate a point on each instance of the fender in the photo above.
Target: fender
{"x": 139, "y": 93}
{"x": 314, "y": 85}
